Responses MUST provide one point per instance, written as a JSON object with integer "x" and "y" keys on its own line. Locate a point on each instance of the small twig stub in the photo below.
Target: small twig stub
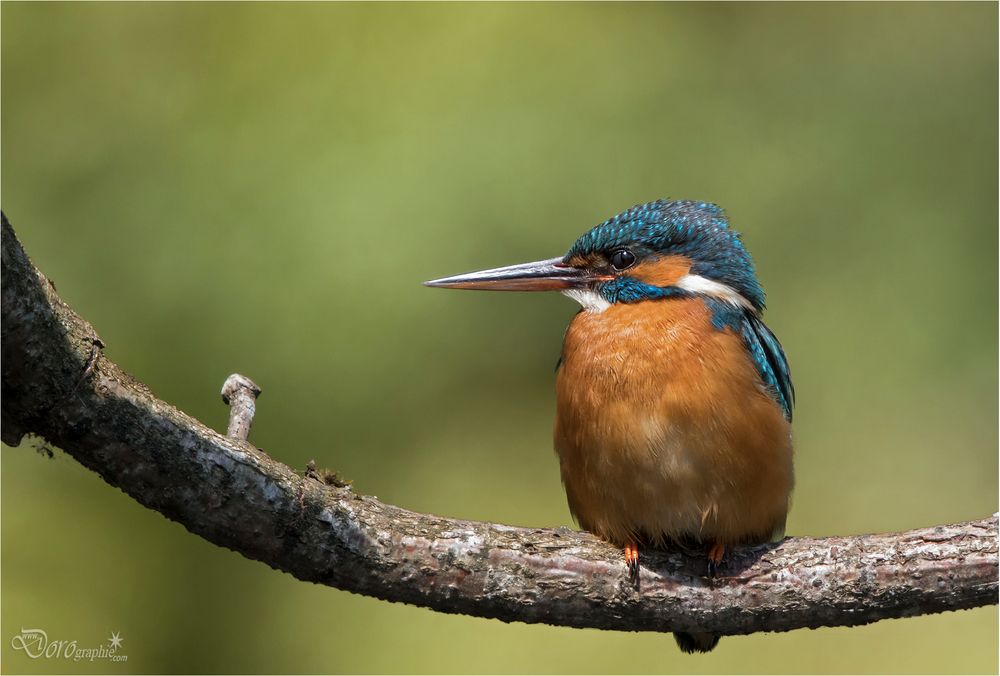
{"x": 240, "y": 393}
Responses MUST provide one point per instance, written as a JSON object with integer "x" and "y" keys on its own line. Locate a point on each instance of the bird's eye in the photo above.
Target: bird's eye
{"x": 622, "y": 259}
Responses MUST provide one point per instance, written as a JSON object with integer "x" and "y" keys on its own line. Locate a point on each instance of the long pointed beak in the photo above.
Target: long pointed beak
{"x": 547, "y": 275}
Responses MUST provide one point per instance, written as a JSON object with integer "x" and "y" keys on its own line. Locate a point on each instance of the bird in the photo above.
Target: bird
{"x": 673, "y": 398}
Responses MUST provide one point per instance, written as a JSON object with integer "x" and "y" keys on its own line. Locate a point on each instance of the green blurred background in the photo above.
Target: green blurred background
{"x": 262, "y": 188}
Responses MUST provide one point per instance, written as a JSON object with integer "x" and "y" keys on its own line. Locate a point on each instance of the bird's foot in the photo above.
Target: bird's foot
{"x": 715, "y": 554}
{"x": 632, "y": 562}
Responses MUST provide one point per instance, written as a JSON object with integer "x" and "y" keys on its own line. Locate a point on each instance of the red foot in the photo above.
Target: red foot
{"x": 632, "y": 560}
{"x": 715, "y": 554}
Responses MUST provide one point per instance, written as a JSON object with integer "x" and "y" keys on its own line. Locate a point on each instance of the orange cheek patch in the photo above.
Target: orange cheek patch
{"x": 661, "y": 271}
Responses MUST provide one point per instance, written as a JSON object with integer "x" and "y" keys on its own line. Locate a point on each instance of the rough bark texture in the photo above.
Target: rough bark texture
{"x": 58, "y": 384}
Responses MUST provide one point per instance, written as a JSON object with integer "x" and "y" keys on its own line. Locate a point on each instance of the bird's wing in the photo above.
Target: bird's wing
{"x": 769, "y": 359}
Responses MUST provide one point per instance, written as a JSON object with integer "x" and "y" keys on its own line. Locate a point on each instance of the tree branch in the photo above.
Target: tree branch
{"x": 58, "y": 384}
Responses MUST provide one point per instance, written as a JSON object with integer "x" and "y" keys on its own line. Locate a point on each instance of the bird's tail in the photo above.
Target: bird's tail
{"x": 700, "y": 642}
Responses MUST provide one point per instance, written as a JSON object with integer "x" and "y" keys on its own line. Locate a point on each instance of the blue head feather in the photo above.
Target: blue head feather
{"x": 697, "y": 230}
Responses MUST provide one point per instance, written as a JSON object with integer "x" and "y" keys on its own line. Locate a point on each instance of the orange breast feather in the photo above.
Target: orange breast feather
{"x": 664, "y": 430}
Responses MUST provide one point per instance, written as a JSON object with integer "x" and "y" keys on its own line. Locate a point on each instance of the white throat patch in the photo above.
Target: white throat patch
{"x": 595, "y": 302}
{"x": 588, "y": 298}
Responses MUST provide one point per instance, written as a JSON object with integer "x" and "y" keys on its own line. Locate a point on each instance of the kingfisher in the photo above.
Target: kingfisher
{"x": 673, "y": 398}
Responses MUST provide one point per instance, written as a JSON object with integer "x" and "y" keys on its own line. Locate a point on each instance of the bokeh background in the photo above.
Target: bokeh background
{"x": 262, "y": 188}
